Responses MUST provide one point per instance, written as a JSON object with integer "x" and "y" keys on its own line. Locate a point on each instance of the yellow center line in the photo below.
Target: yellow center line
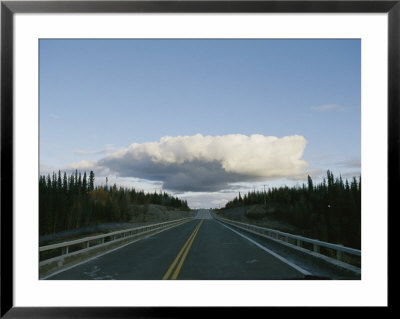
{"x": 183, "y": 251}
{"x": 178, "y": 268}
{"x": 178, "y": 256}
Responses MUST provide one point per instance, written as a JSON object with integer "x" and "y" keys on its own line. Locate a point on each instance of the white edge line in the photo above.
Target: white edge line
{"x": 304, "y": 272}
{"x": 107, "y": 252}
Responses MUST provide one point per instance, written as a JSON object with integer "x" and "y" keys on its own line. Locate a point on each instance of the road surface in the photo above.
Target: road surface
{"x": 202, "y": 249}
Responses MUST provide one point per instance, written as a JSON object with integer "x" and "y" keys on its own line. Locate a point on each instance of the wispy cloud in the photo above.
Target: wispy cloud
{"x": 54, "y": 116}
{"x": 108, "y": 148}
{"x": 351, "y": 175}
{"x": 303, "y": 176}
{"x": 206, "y": 163}
{"x": 46, "y": 168}
{"x": 327, "y": 107}
{"x": 352, "y": 163}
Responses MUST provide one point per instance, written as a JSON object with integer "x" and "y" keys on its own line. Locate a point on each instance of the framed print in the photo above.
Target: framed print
{"x": 160, "y": 156}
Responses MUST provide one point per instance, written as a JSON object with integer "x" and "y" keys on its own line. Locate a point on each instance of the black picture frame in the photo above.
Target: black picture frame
{"x": 9, "y": 8}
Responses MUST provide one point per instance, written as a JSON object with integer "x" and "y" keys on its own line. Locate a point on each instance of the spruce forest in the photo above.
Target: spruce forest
{"x": 330, "y": 211}
{"x": 70, "y": 202}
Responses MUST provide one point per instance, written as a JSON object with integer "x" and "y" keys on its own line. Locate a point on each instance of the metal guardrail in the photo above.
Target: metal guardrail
{"x": 93, "y": 242}
{"x": 299, "y": 240}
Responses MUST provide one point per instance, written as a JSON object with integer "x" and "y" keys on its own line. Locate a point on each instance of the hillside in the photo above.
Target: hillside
{"x": 258, "y": 215}
{"x": 139, "y": 215}
{"x": 155, "y": 213}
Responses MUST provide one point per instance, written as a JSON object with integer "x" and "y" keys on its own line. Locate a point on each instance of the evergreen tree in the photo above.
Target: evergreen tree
{"x": 65, "y": 183}
{"x": 91, "y": 181}
{"x": 72, "y": 201}
{"x": 84, "y": 183}
{"x": 310, "y": 184}
{"x": 329, "y": 211}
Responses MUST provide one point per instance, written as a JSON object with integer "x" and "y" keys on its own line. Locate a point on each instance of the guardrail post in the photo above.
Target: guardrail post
{"x": 339, "y": 255}
{"x": 298, "y": 242}
{"x": 286, "y": 239}
{"x": 64, "y": 250}
{"x": 316, "y": 248}
{"x": 86, "y": 244}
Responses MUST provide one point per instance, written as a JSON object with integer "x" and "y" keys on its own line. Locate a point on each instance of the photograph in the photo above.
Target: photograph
{"x": 167, "y": 158}
{"x": 199, "y": 159}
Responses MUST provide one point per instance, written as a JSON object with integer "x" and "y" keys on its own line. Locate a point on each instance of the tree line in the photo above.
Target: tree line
{"x": 72, "y": 201}
{"x": 329, "y": 211}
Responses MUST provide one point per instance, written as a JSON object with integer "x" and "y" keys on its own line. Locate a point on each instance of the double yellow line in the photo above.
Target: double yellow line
{"x": 183, "y": 253}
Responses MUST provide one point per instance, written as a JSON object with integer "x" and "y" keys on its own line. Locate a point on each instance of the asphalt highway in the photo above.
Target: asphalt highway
{"x": 202, "y": 249}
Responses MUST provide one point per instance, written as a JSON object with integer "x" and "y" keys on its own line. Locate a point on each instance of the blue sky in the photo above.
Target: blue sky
{"x": 98, "y": 97}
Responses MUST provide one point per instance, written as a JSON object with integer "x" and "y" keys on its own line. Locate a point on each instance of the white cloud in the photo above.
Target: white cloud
{"x": 205, "y": 163}
{"x": 207, "y": 200}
